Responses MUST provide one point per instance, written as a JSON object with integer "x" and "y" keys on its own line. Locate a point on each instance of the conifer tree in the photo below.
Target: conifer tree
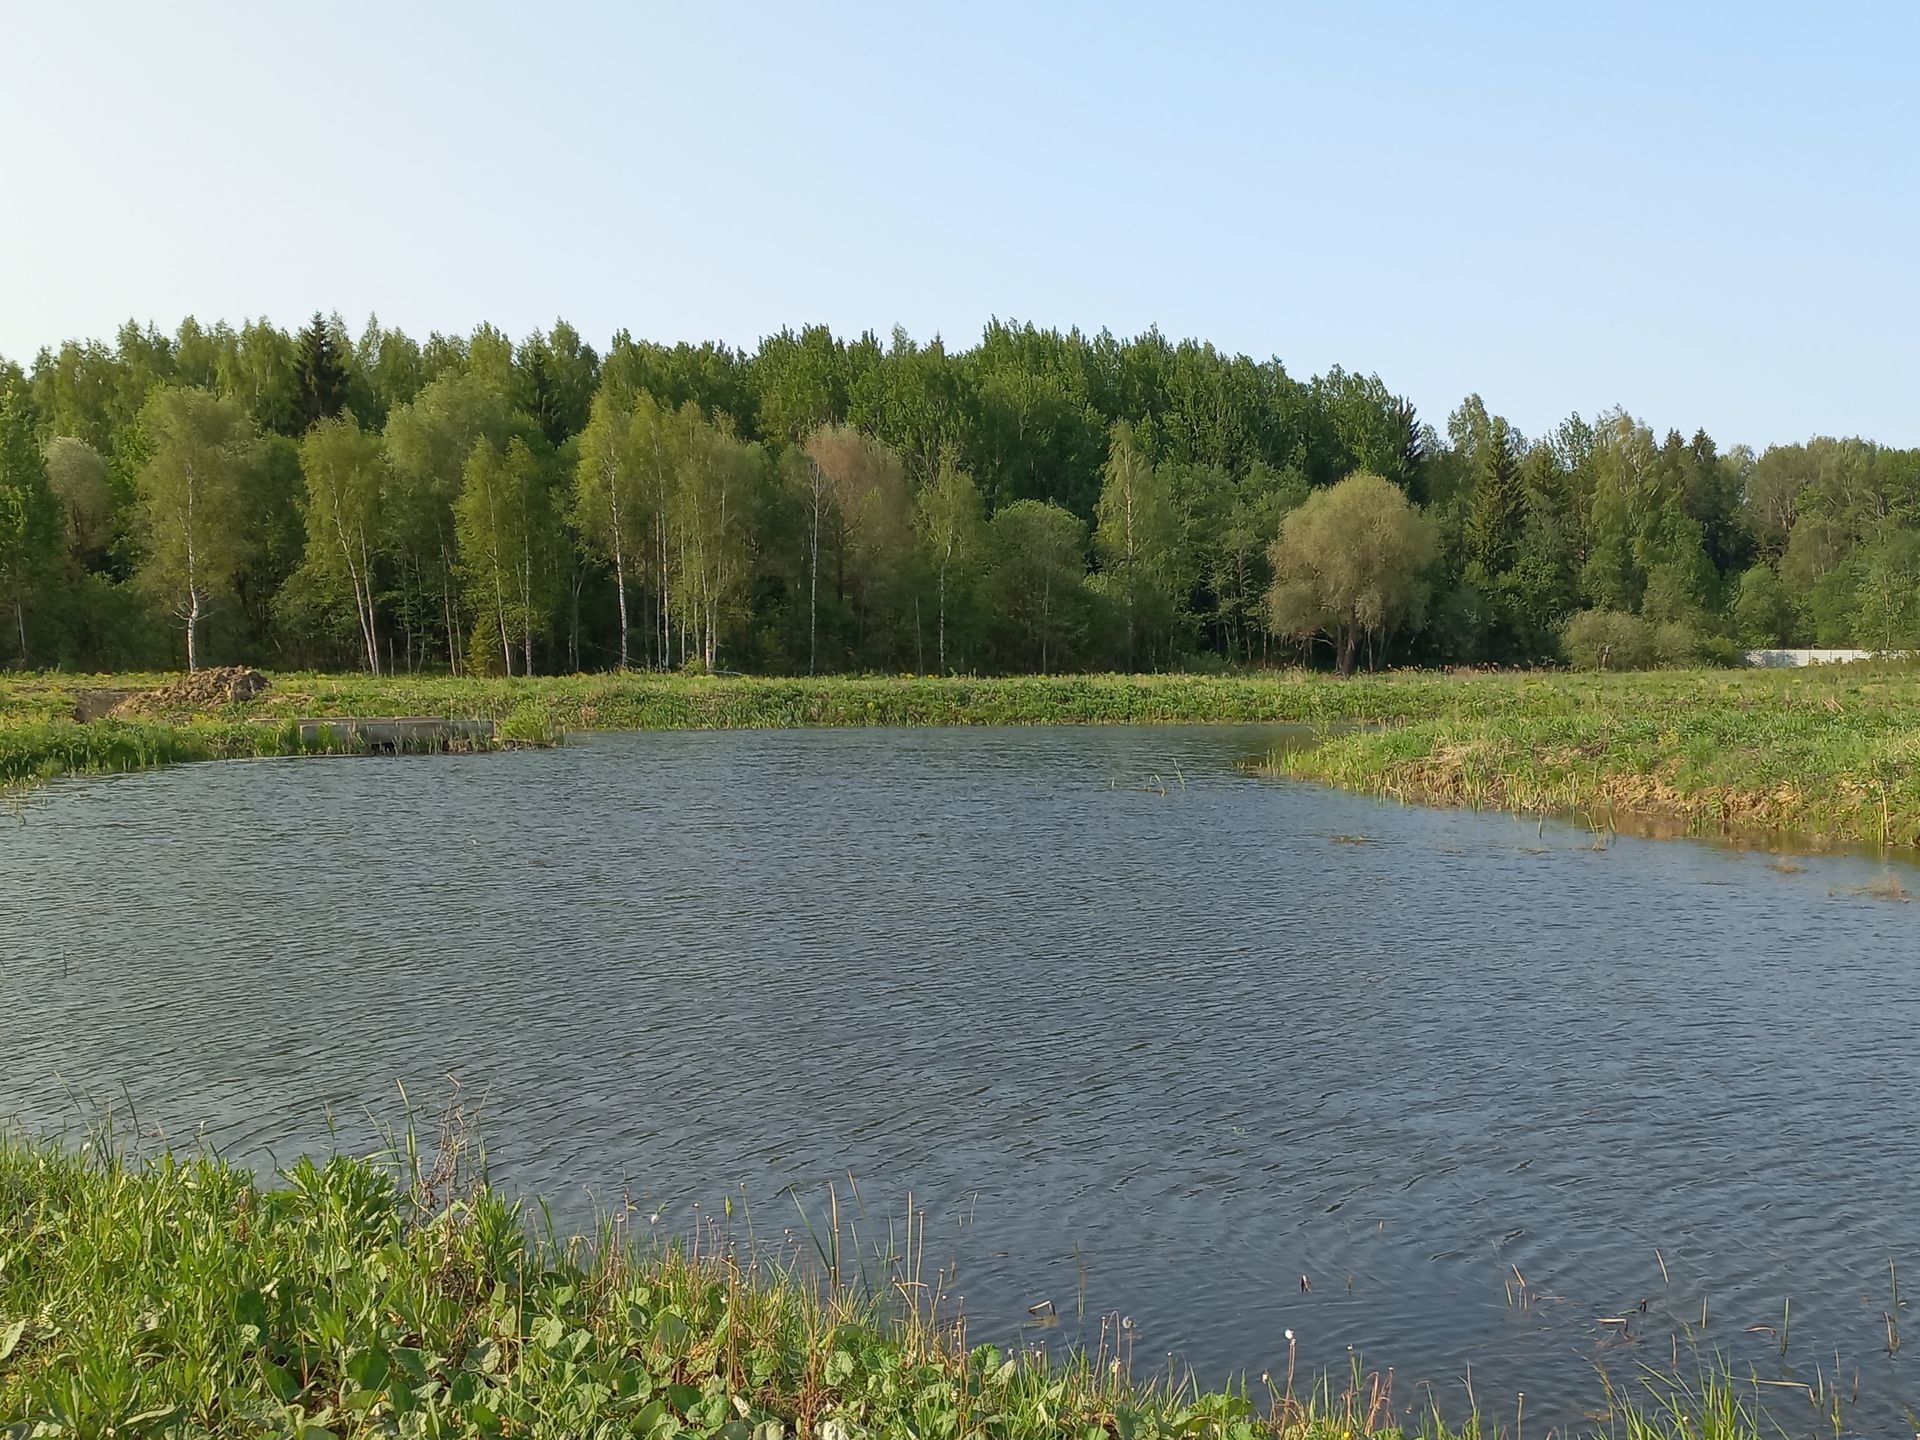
{"x": 320, "y": 373}
{"x": 1499, "y": 504}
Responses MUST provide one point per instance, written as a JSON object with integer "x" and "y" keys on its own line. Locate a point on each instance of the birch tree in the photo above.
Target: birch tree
{"x": 505, "y": 524}
{"x": 429, "y": 442}
{"x": 708, "y": 516}
{"x": 1136, "y": 535}
{"x": 624, "y": 478}
{"x": 605, "y": 485}
{"x": 191, "y": 495}
{"x": 952, "y": 524}
{"x": 345, "y": 469}
{"x": 817, "y": 490}
{"x": 654, "y": 440}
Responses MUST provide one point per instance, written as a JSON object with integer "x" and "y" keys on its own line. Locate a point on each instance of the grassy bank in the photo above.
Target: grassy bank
{"x": 39, "y": 737}
{"x": 180, "y": 1298}
{"x": 1817, "y": 757}
{"x": 1826, "y": 755}
{"x": 638, "y": 701}
{"x": 36, "y": 749}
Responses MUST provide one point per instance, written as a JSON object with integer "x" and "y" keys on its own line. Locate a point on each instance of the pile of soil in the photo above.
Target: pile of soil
{"x": 202, "y": 690}
{"x": 92, "y": 705}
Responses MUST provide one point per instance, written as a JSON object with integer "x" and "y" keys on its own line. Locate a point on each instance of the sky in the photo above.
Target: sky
{"x": 1708, "y": 214}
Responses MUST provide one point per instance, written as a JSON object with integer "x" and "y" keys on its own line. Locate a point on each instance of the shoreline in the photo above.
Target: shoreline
{"x": 365, "y": 1296}
{"x": 1815, "y": 759}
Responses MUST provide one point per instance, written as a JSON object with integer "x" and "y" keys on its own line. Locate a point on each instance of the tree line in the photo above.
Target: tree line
{"x": 1042, "y": 501}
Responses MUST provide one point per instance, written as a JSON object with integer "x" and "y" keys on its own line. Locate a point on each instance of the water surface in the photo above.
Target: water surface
{"x": 1144, "y": 1033}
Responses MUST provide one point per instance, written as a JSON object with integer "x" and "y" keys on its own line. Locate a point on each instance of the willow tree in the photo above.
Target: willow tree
{"x": 952, "y": 525}
{"x": 77, "y": 475}
{"x": 192, "y": 493}
{"x": 345, "y": 469}
{"x": 1349, "y": 563}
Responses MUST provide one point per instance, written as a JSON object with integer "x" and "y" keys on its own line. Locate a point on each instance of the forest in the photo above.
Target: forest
{"x": 1040, "y": 502}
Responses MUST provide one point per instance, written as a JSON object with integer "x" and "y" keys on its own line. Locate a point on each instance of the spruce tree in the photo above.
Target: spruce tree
{"x": 1499, "y": 504}
{"x": 540, "y": 395}
{"x": 320, "y": 373}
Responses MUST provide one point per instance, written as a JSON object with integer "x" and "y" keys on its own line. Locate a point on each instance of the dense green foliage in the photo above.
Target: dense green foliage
{"x": 1350, "y": 562}
{"x": 1041, "y": 501}
{"x": 356, "y": 1298}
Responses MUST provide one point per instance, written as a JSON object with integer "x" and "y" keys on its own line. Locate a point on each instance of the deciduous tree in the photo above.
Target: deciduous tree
{"x": 429, "y": 442}
{"x": 1039, "y": 554}
{"x": 192, "y": 492}
{"x": 346, "y": 470}
{"x": 1351, "y": 563}
{"x": 952, "y": 526}
{"x": 1136, "y": 536}
{"x": 609, "y": 502}
{"x": 29, "y": 514}
{"x": 77, "y": 475}
{"x": 506, "y": 525}
{"x": 711, "y": 500}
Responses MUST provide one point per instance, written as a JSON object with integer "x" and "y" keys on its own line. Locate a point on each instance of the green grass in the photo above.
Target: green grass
{"x": 363, "y": 1298}
{"x": 35, "y": 750}
{"x": 639, "y": 701}
{"x": 1823, "y": 757}
{"x": 1827, "y": 755}
{"x": 39, "y": 738}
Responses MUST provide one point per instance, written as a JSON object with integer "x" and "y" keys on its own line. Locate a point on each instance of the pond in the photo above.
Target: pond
{"x": 1146, "y": 1034}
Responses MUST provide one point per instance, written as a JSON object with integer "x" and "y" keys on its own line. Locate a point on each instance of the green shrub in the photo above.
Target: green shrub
{"x": 1723, "y": 652}
{"x": 1676, "y": 644}
{"x": 1682, "y": 647}
{"x": 1609, "y": 640}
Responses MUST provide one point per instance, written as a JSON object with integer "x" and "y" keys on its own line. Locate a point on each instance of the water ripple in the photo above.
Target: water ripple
{"x": 1187, "y": 1040}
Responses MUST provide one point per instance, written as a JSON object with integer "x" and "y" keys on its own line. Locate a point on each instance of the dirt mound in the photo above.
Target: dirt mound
{"x": 202, "y": 690}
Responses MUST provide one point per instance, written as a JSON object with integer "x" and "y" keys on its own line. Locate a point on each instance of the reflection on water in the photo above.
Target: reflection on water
{"x": 1085, "y": 992}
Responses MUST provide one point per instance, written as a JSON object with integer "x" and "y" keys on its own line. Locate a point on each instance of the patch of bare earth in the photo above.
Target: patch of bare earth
{"x": 199, "y": 692}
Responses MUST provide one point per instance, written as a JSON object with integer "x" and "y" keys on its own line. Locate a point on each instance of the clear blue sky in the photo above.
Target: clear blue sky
{"x": 1707, "y": 213}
